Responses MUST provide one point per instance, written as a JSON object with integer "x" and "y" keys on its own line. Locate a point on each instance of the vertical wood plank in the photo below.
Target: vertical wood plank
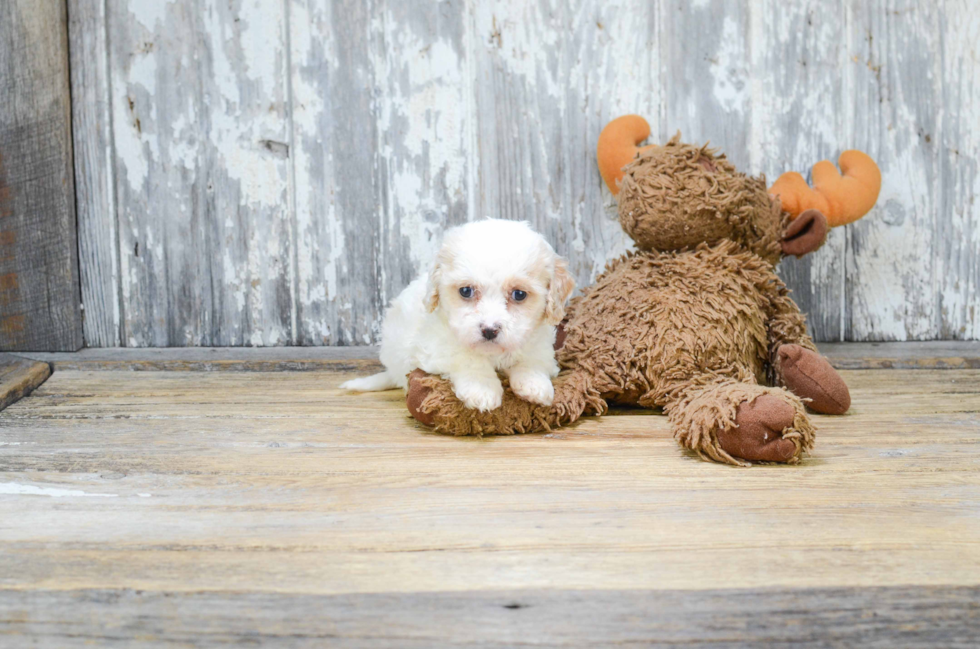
{"x": 94, "y": 183}
{"x": 39, "y": 293}
{"x": 340, "y": 186}
{"x": 425, "y": 127}
{"x": 519, "y": 103}
{"x": 895, "y": 107}
{"x": 797, "y": 120}
{"x": 393, "y": 76}
{"x": 707, "y": 76}
{"x": 162, "y": 196}
{"x": 548, "y": 76}
{"x": 611, "y": 66}
{"x": 957, "y": 236}
{"x": 201, "y": 139}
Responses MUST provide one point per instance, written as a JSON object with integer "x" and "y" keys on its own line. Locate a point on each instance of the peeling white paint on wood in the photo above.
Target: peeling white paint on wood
{"x": 796, "y": 85}
{"x": 200, "y": 132}
{"x": 891, "y": 272}
{"x": 281, "y": 168}
{"x": 957, "y": 250}
{"x": 16, "y": 489}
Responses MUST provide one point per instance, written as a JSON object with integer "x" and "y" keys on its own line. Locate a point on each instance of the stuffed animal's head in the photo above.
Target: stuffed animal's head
{"x": 676, "y": 196}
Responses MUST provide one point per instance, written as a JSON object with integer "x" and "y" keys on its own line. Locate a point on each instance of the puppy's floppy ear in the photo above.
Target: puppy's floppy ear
{"x": 562, "y": 285}
{"x": 431, "y": 299}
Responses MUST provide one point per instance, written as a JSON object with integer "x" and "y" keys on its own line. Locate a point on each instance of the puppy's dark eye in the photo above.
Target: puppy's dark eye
{"x": 518, "y": 295}
{"x": 466, "y": 292}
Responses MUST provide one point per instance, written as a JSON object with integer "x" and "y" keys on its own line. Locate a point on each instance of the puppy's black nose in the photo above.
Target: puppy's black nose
{"x": 490, "y": 333}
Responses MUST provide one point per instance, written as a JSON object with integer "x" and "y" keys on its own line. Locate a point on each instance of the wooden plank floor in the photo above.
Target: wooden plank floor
{"x": 19, "y": 377}
{"x": 202, "y": 509}
{"x": 933, "y": 354}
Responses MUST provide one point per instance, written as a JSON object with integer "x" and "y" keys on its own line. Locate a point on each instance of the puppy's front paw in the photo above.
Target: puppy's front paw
{"x": 535, "y": 387}
{"x": 480, "y": 397}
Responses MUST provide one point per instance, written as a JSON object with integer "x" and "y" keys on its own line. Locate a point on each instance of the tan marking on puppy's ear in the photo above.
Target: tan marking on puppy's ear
{"x": 562, "y": 285}
{"x": 431, "y": 299}
{"x": 444, "y": 259}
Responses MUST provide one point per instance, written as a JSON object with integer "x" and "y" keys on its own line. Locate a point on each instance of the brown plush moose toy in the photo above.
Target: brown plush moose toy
{"x": 695, "y": 321}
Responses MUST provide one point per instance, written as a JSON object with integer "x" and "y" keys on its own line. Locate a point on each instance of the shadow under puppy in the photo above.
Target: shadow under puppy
{"x": 490, "y": 303}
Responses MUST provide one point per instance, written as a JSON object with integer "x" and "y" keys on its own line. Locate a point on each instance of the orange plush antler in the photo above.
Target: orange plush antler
{"x": 618, "y": 147}
{"x": 842, "y": 198}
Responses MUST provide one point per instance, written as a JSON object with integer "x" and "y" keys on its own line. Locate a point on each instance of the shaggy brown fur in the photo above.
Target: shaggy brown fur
{"x": 693, "y": 323}
{"x": 677, "y": 196}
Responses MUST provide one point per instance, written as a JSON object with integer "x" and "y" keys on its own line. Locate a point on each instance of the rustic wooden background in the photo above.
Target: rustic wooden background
{"x": 271, "y": 172}
{"x": 39, "y": 288}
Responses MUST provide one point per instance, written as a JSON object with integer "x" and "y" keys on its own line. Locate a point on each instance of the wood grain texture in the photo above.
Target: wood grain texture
{"x": 19, "y": 377}
{"x": 340, "y": 188}
{"x": 798, "y": 90}
{"x": 425, "y": 121}
{"x": 91, "y": 115}
{"x": 285, "y": 167}
{"x": 361, "y": 359}
{"x": 708, "y": 80}
{"x": 957, "y": 244}
{"x": 349, "y": 494}
{"x": 39, "y": 290}
{"x": 849, "y": 356}
{"x": 955, "y": 354}
{"x": 866, "y": 617}
{"x": 891, "y": 271}
{"x": 200, "y": 130}
{"x": 548, "y": 76}
{"x": 163, "y": 505}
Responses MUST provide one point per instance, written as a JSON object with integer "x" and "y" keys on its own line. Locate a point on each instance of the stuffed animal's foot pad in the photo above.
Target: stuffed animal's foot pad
{"x": 809, "y": 375}
{"x": 758, "y": 434}
{"x": 417, "y": 392}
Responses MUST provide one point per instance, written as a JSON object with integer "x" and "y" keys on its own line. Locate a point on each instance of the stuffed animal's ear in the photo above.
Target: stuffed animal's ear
{"x": 562, "y": 285}
{"x": 805, "y": 233}
{"x": 431, "y": 299}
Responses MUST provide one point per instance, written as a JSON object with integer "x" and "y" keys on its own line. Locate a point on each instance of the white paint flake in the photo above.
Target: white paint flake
{"x": 15, "y": 489}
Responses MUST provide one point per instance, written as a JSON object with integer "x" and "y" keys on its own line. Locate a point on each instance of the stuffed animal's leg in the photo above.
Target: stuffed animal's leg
{"x": 432, "y": 402}
{"x": 810, "y": 376}
{"x": 732, "y": 422}
{"x": 796, "y": 364}
{"x": 786, "y": 325}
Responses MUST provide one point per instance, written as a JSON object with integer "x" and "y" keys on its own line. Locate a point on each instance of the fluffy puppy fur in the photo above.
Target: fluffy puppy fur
{"x": 490, "y": 303}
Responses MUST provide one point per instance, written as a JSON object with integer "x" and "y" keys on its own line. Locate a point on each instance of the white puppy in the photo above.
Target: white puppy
{"x": 490, "y": 302}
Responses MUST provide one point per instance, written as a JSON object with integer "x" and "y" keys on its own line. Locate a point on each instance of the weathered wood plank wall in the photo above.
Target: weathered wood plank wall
{"x": 39, "y": 296}
{"x": 269, "y": 172}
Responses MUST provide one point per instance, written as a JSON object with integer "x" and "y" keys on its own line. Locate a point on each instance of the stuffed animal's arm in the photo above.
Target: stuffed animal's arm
{"x": 795, "y": 363}
{"x": 432, "y": 402}
{"x": 786, "y": 325}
